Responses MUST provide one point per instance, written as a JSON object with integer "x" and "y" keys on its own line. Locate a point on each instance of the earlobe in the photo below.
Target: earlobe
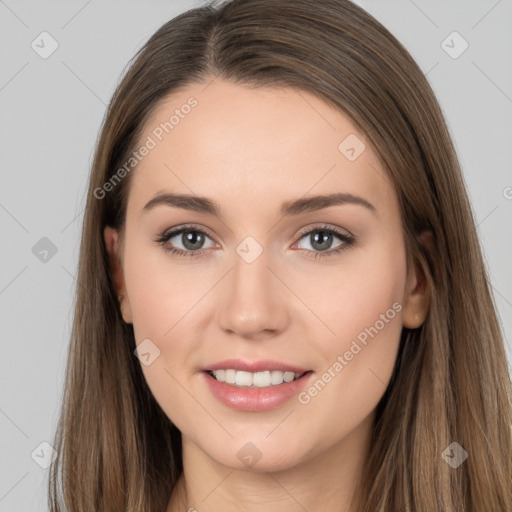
{"x": 417, "y": 297}
{"x": 111, "y": 237}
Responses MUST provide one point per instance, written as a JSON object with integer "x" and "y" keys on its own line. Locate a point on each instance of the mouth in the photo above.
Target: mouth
{"x": 255, "y": 380}
{"x": 255, "y": 386}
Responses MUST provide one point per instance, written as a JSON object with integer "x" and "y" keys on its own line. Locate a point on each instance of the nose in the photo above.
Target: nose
{"x": 253, "y": 302}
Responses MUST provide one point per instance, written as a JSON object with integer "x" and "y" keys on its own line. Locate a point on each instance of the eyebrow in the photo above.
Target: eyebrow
{"x": 296, "y": 207}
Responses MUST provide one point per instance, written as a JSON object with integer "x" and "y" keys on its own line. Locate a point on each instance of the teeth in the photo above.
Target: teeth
{"x": 257, "y": 379}
{"x": 243, "y": 379}
{"x": 230, "y": 376}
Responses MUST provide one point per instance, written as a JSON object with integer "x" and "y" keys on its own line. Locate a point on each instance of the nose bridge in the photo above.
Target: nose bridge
{"x": 252, "y": 297}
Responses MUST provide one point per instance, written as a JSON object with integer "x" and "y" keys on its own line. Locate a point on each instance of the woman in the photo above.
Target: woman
{"x": 281, "y": 298}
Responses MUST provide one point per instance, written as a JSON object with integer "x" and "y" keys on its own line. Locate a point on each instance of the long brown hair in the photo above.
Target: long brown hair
{"x": 118, "y": 451}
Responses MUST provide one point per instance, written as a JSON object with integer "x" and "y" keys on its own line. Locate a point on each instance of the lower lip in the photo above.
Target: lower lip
{"x": 255, "y": 399}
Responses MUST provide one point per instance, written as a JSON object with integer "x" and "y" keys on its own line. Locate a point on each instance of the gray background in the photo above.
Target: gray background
{"x": 51, "y": 113}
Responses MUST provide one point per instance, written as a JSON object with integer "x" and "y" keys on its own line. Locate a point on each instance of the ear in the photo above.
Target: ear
{"x": 417, "y": 298}
{"x": 111, "y": 237}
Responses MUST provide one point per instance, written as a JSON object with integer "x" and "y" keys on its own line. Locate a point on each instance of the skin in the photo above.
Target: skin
{"x": 250, "y": 150}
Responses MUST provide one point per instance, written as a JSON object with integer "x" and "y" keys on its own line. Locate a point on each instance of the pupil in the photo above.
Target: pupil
{"x": 192, "y": 239}
{"x": 322, "y": 239}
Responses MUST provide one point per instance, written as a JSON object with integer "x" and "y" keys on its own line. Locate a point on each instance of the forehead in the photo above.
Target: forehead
{"x": 229, "y": 141}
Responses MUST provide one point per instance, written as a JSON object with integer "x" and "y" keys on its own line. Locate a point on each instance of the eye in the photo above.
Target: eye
{"x": 192, "y": 241}
{"x": 321, "y": 239}
{"x": 190, "y": 238}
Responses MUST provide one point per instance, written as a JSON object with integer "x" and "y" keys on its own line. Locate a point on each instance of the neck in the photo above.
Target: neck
{"x": 326, "y": 481}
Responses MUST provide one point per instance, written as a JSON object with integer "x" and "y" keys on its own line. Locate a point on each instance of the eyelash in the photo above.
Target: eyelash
{"x": 348, "y": 241}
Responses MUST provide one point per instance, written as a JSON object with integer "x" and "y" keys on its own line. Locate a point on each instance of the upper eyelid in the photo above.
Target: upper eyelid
{"x": 340, "y": 231}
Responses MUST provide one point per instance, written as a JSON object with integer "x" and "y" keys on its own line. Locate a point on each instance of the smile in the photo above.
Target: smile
{"x": 261, "y": 379}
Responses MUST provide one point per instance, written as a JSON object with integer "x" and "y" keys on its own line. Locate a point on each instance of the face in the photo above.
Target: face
{"x": 272, "y": 286}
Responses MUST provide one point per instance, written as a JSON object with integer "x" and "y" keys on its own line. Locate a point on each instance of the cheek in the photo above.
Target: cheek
{"x": 352, "y": 296}
{"x": 367, "y": 320}
{"x": 162, "y": 290}
{"x": 162, "y": 299}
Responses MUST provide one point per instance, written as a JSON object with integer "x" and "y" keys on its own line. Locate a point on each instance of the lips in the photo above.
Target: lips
{"x": 255, "y": 366}
{"x": 252, "y": 399}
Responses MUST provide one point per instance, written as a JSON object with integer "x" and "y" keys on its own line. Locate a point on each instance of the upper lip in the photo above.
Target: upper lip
{"x": 254, "y": 366}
